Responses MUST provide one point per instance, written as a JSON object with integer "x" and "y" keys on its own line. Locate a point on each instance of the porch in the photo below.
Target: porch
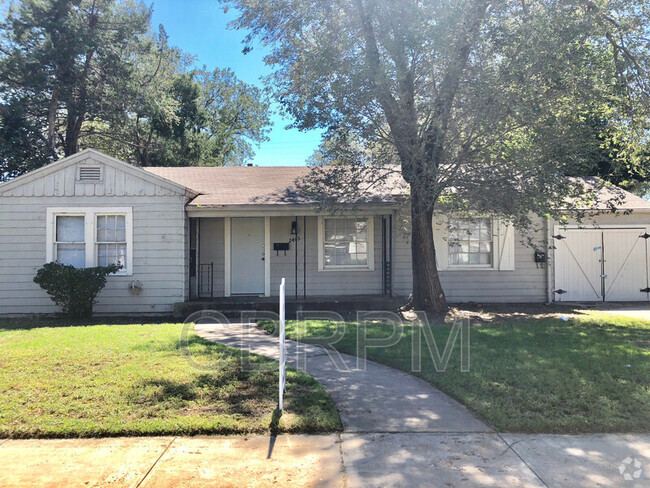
{"x": 237, "y": 261}
{"x": 232, "y": 306}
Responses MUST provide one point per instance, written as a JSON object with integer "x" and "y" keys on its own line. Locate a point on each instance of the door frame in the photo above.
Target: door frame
{"x": 228, "y": 255}
{"x": 559, "y": 228}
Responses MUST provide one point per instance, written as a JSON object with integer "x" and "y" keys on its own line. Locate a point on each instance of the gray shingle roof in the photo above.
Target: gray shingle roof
{"x": 238, "y": 185}
{"x": 278, "y": 185}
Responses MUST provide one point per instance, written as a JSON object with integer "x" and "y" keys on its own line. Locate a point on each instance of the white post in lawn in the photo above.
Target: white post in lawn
{"x": 283, "y": 355}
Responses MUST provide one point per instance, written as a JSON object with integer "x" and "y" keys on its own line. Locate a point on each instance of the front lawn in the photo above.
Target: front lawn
{"x": 132, "y": 379}
{"x": 530, "y": 373}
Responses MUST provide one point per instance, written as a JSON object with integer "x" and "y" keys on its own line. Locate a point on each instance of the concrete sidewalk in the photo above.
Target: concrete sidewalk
{"x": 351, "y": 460}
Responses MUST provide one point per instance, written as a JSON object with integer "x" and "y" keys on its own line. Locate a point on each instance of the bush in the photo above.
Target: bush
{"x": 73, "y": 289}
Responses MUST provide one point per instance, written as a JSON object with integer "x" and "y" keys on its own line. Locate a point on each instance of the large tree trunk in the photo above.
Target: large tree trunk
{"x": 51, "y": 121}
{"x": 72, "y": 134}
{"x": 428, "y": 294}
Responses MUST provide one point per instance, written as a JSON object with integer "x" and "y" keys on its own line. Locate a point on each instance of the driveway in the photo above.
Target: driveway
{"x": 637, "y": 311}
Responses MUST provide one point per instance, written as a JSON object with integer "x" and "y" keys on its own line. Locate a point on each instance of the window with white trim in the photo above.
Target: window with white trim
{"x": 69, "y": 241}
{"x": 346, "y": 243}
{"x": 470, "y": 242}
{"x": 86, "y": 237}
{"x": 111, "y": 240}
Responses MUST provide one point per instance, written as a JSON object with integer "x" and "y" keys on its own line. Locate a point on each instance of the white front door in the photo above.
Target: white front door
{"x": 247, "y": 256}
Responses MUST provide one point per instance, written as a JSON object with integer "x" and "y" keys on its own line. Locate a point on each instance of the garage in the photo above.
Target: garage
{"x": 601, "y": 264}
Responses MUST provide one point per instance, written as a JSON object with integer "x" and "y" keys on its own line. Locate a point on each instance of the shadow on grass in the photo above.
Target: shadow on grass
{"x": 227, "y": 391}
{"x": 8, "y": 324}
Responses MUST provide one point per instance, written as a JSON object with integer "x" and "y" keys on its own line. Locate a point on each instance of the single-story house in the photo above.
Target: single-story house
{"x": 205, "y": 233}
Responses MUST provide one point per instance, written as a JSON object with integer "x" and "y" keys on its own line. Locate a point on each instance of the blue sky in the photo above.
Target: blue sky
{"x": 199, "y": 28}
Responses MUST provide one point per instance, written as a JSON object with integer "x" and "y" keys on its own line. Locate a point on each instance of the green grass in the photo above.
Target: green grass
{"x": 132, "y": 379}
{"x": 541, "y": 375}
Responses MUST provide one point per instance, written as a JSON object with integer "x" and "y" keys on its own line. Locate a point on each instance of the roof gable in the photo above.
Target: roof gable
{"x": 116, "y": 178}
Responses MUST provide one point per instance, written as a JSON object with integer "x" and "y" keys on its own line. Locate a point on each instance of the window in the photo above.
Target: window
{"x": 70, "y": 240}
{"x": 111, "y": 240}
{"x": 85, "y": 237}
{"x": 470, "y": 242}
{"x": 346, "y": 243}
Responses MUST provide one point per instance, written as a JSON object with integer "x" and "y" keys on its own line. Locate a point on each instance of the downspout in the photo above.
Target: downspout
{"x": 549, "y": 248}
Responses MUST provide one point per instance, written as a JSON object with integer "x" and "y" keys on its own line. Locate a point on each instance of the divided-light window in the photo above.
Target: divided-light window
{"x": 346, "y": 243}
{"x": 470, "y": 242}
{"x": 86, "y": 237}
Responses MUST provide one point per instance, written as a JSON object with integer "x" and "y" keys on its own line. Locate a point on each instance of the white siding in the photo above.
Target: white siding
{"x": 159, "y": 240}
{"x": 318, "y": 283}
{"x": 526, "y": 283}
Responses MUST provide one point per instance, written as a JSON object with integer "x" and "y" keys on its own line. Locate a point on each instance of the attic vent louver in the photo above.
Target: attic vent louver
{"x": 90, "y": 173}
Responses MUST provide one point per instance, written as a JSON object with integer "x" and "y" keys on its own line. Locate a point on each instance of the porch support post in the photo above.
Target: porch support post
{"x": 197, "y": 260}
{"x": 226, "y": 256}
{"x": 267, "y": 256}
{"x": 304, "y": 257}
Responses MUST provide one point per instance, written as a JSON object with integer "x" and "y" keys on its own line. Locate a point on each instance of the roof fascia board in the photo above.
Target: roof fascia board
{"x": 280, "y": 211}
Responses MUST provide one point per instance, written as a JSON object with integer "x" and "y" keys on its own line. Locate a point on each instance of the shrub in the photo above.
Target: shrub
{"x": 73, "y": 289}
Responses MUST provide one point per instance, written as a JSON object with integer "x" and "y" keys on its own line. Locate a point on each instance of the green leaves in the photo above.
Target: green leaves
{"x": 73, "y": 289}
{"x": 93, "y": 73}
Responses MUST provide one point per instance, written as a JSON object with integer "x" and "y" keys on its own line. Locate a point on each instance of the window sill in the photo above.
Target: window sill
{"x": 123, "y": 273}
{"x": 475, "y": 267}
{"x": 346, "y": 268}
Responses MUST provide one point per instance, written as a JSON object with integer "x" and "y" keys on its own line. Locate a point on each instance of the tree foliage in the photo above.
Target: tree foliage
{"x": 485, "y": 97}
{"x": 93, "y": 73}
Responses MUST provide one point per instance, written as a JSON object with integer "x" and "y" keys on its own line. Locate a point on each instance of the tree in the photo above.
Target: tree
{"x": 189, "y": 118}
{"x": 79, "y": 73}
{"x": 62, "y": 58}
{"x": 484, "y": 97}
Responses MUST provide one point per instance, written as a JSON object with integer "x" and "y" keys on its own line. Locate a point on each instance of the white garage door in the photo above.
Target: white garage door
{"x": 601, "y": 265}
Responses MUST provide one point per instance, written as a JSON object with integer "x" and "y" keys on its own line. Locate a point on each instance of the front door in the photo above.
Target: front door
{"x": 247, "y": 256}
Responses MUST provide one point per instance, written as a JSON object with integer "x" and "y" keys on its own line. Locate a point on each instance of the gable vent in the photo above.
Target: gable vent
{"x": 90, "y": 173}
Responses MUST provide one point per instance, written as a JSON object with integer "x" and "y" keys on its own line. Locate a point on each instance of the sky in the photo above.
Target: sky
{"x": 199, "y": 27}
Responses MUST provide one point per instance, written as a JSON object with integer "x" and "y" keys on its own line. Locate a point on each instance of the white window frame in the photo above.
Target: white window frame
{"x": 493, "y": 245}
{"x": 90, "y": 232}
{"x": 370, "y": 229}
{"x": 503, "y": 245}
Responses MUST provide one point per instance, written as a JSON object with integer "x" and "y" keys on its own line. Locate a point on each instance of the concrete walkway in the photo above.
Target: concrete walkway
{"x": 370, "y": 397}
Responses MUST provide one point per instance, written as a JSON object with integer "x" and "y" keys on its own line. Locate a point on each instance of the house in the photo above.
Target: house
{"x": 204, "y": 233}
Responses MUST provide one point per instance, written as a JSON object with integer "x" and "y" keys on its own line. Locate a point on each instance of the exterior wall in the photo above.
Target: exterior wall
{"x": 527, "y": 283}
{"x": 159, "y": 241}
{"x": 285, "y": 266}
{"x": 340, "y": 282}
{"x": 309, "y": 279}
{"x": 211, "y": 251}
